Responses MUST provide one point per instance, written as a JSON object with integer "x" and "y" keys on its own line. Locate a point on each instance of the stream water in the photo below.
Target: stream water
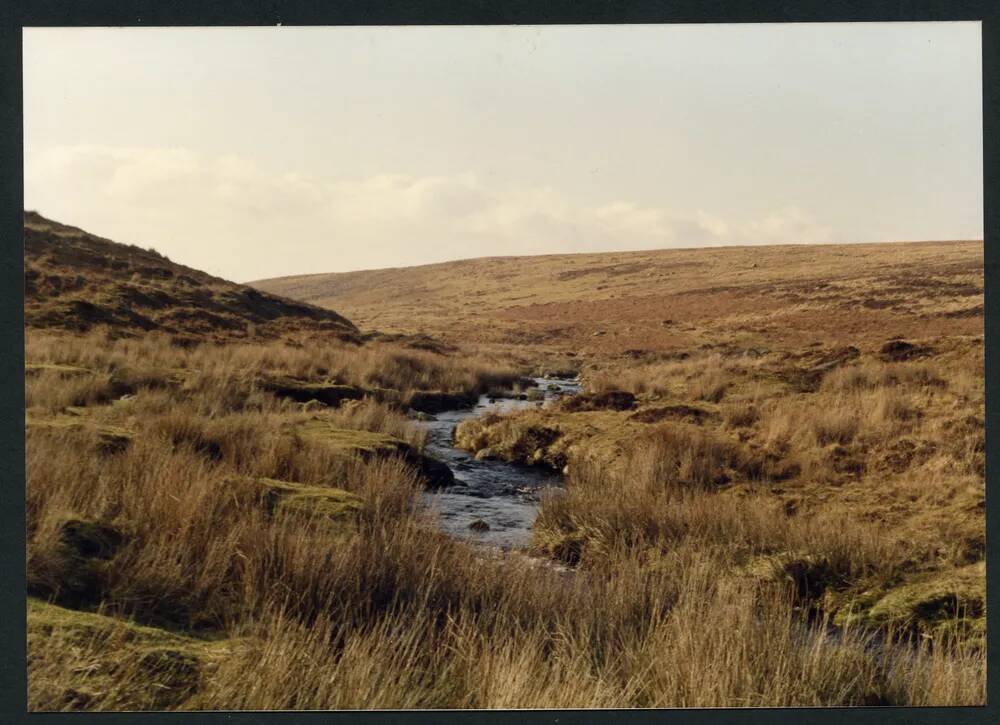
{"x": 506, "y": 495}
{"x": 503, "y": 495}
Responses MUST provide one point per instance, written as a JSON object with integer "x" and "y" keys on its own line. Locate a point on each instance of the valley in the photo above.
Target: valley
{"x": 595, "y": 480}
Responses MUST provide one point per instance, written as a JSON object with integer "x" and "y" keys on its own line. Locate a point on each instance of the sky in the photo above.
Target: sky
{"x": 260, "y": 152}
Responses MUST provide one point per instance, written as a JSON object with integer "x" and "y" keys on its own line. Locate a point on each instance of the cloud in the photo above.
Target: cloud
{"x": 230, "y": 216}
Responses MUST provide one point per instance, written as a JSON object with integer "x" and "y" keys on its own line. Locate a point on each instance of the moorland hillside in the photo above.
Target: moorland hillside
{"x": 660, "y": 301}
{"x": 77, "y": 281}
{"x": 774, "y": 482}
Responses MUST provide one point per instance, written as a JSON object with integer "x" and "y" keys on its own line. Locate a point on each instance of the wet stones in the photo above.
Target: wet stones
{"x": 437, "y": 401}
{"x": 304, "y": 392}
{"x": 435, "y": 473}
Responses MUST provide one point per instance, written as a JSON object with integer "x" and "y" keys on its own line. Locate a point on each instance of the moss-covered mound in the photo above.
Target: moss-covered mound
{"x": 348, "y": 441}
{"x": 90, "y": 661}
{"x": 107, "y": 439}
{"x": 526, "y": 437}
{"x": 949, "y": 601}
{"x": 811, "y": 576}
{"x": 687, "y": 413}
{"x": 610, "y": 400}
{"x": 317, "y": 502}
{"x": 370, "y": 445}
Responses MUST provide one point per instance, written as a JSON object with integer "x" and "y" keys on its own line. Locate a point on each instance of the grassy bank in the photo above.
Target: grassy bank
{"x": 768, "y": 501}
{"x": 201, "y": 550}
{"x": 856, "y": 475}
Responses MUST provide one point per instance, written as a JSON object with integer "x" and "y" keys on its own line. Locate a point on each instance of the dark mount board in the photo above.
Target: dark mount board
{"x": 15, "y": 14}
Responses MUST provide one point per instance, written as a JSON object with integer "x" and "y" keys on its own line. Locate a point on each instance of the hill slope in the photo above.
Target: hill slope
{"x": 660, "y": 300}
{"x": 75, "y": 281}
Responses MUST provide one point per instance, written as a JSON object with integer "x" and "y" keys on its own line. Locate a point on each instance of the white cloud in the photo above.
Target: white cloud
{"x": 230, "y": 216}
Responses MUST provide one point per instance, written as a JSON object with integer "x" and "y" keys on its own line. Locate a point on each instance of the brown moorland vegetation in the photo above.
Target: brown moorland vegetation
{"x": 77, "y": 281}
{"x": 234, "y": 521}
{"x": 670, "y": 301}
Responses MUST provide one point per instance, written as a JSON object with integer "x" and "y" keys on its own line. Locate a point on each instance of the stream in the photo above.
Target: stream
{"x": 506, "y": 496}
{"x": 503, "y": 495}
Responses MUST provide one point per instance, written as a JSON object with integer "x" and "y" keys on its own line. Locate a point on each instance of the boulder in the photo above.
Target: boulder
{"x": 417, "y": 415}
{"x": 303, "y": 392}
{"x": 437, "y": 401}
{"x": 435, "y": 473}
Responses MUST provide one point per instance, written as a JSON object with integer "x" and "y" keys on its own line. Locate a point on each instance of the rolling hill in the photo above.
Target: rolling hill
{"x": 770, "y": 445}
{"x": 75, "y": 281}
{"x": 782, "y": 296}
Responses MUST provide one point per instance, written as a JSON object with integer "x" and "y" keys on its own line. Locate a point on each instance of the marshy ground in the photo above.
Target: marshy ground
{"x": 774, "y": 481}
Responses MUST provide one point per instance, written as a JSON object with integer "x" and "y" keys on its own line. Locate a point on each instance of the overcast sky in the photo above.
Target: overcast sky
{"x": 258, "y": 152}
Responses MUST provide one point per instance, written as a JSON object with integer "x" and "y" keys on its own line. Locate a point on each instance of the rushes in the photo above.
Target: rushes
{"x": 220, "y": 377}
{"x": 664, "y": 606}
{"x": 835, "y": 425}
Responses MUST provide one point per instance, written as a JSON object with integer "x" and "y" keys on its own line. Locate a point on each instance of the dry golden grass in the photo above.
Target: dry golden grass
{"x": 252, "y": 608}
{"x": 662, "y": 302}
{"x": 872, "y": 468}
{"x": 762, "y": 528}
{"x": 77, "y": 281}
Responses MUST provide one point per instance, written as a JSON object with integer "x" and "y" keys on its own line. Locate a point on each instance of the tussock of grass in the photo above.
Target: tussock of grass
{"x": 80, "y": 660}
{"x": 265, "y": 556}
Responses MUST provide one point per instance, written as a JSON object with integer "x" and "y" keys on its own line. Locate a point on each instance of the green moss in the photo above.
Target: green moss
{"x": 110, "y": 438}
{"x": 368, "y": 445}
{"x": 67, "y": 371}
{"x": 333, "y": 504}
{"x": 113, "y": 663}
{"x": 953, "y": 600}
{"x": 50, "y": 619}
{"x": 348, "y": 441}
